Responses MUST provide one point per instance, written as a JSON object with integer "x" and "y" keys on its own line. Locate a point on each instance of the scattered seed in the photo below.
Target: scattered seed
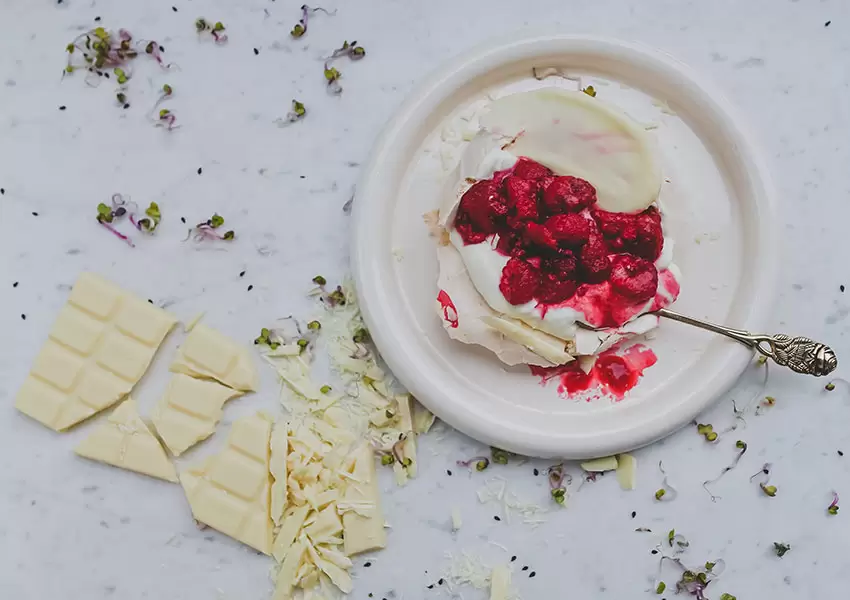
{"x": 200, "y": 170}
{"x": 2, "y": 191}
{"x": 840, "y": 453}
{"x": 250, "y": 287}
{"x": 367, "y": 564}
{"x": 634, "y": 514}
{"x": 497, "y": 518}
{"x": 513, "y": 558}
{"x": 35, "y": 214}
{"x": 431, "y": 587}
{"x": 525, "y": 568}
{"x": 841, "y": 287}
{"x": 654, "y": 552}
{"x": 256, "y": 52}
{"x": 442, "y": 581}
{"x": 536, "y": 472}
{"x": 242, "y": 274}
{"x": 182, "y": 219}
{"x": 63, "y": 107}
{"x": 827, "y": 24}
{"x": 174, "y": 8}
{"x": 449, "y": 472}
{"x": 23, "y": 316}
{"x": 97, "y": 19}
{"x": 533, "y": 574}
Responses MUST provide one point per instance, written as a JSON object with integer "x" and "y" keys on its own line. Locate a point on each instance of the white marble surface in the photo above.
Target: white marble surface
{"x": 75, "y": 529}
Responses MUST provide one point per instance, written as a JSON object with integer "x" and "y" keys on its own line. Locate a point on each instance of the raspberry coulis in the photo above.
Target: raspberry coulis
{"x": 448, "y": 307}
{"x": 563, "y": 250}
{"x": 613, "y": 374}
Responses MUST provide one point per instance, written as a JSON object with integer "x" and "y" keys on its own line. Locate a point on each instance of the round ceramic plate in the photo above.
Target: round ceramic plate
{"x": 718, "y": 210}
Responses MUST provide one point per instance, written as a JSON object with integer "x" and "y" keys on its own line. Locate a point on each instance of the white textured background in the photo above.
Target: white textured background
{"x": 74, "y": 529}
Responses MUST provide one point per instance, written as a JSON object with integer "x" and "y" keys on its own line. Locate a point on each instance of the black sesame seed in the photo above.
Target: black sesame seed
{"x": 250, "y": 287}
{"x": 96, "y": 19}
{"x": 431, "y": 587}
{"x": 63, "y": 107}
{"x": 654, "y": 552}
{"x": 827, "y": 23}
{"x": 162, "y": 48}
{"x": 634, "y": 514}
{"x": 441, "y": 581}
{"x": 35, "y": 214}
{"x": 174, "y": 8}
{"x": 841, "y": 287}
{"x": 840, "y": 453}
{"x": 23, "y": 316}
{"x": 200, "y": 170}
{"x": 183, "y": 219}
{"x": 256, "y": 52}
{"x": 449, "y": 472}
{"x": 303, "y": 176}
{"x": 533, "y": 574}
{"x": 536, "y": 472}
{"x": 105, "y": 75}
{"x": 525, "y": 568}
{"x": 126, "y": 106}
{"x": 367, "y": 564}
{"x": 242, "y": 274}
{"x": 2, "y": 191}
{"x": 513, "y": 558}
{"x": 16, "y": 285}
{"x": 149, "y": 300}
{"x": 497, "y": 518}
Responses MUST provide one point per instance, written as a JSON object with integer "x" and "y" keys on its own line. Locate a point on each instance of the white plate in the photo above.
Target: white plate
{"x": 720, "y": 213}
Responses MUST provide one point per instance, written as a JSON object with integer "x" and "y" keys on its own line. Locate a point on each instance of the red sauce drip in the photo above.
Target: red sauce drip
{"x": 613, "y": 374}
{"x": 449, "y": 310}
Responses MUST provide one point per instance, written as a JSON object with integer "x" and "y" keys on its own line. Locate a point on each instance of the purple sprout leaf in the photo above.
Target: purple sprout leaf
{"x": 742, "y": 449}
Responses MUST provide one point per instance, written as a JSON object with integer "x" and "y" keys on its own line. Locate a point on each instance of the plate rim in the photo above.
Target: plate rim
{"x": 446, "y": 80}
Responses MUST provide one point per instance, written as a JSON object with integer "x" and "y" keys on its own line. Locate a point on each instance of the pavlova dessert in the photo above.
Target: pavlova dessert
{"x": 551, "y": 238}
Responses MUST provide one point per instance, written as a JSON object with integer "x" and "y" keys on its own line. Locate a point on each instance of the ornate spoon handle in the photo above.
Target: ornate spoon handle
{"x": 799, "y": 354}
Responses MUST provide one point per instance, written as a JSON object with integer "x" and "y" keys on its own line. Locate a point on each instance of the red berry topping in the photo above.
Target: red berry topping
{"x": 633, "y": 277}
{"x": 467, "y": 232}
{"x": 539, "y": 235}
{"x": 526, "y": 168}
{"x": 568, "y": 194}
{"x": 636, "y": 234}
{"x": 519, "y": 281}
{"x": 483, "y": 205}
{"x": 595, "y": 265}
{"x": 570, "y": 229}
{"x": 553, "y": 290}
{"x": 562, "y": 266}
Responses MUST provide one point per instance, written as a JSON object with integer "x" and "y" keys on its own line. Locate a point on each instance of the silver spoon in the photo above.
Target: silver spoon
{"x": 800, "y": 354}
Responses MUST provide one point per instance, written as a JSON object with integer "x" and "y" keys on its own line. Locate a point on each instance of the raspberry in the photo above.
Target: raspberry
{"x": 526, "y": 168}
{"x": 539, "y": 235}
{"x": 594, "y": 260}
{"x": 568, "y": 194}
{"x": 553, "y": 290}
{"x": 570, "y": 229}
{"x": 467, "y": 232}
{"x": 563, "y": 267}
{"x": 636, "y": 234}
{"x": 633, "y": 277}
{"x": 482, "y": 204}
{"x": 519, "y": 281}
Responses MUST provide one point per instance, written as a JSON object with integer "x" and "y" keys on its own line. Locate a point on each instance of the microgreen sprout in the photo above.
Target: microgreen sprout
{"x": 833, "y": 507}
{"x": 165, "y": 93}
{"x": 479, "y": 463}
{"x": 325, "y": 389}
{"x": 268, "y": 338}
{"x": 707, "y": 431}
{"x": 361, "y": 336}
{"x": 107, "y": 215}
{"x": 314, "y": 325}
{"x": 667, "y": 492}
{"x": 829, "y": 386}
{"x": 677, "y": 541}
{"x": 301, "y": 27}
{"x": 150, "y": 221}
{"x": 742, "y": 449}
{"x": 332, "y": 75}
{"x": 319, "y": 280}
{"x": 398, "y": 452}
{"x": 500, "y": 457}
{"x": 336, "y": 297}
{"x": 659, "y": 589}
{"x": 208, "y": 230}
{"x": 692, "y": 581}
{"x": 166, "y": 118}
{"x": 764, "y": 474}
{"x": 780, "y": 548}
{"x": 216, "y": 30}
{"x": 298, "y": 112}
{"x": 154, "y": 50}
{"x": 559, "y": 495}
{"x": 590, "y": 91}
{"x": 725, "y": 596}
{"x": 387, "y": 459}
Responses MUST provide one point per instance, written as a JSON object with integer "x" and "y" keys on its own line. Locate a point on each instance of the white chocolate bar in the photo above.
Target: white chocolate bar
{"x": 100, "y": 346}
{"x": 125, "y": 441}
{"x": 206, "y": 353}
{"x": 189, "y": 411}
{"x": 230, "y": 490}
